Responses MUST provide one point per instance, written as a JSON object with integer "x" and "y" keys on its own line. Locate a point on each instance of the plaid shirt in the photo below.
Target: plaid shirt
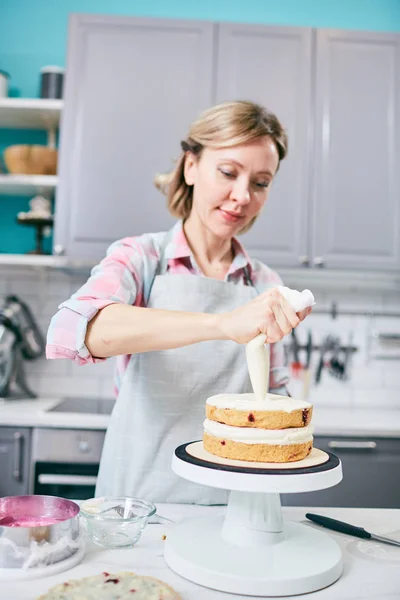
{"x": 125, "y": 276}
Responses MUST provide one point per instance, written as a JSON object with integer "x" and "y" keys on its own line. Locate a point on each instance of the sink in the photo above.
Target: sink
{"x": 98, "y": 406}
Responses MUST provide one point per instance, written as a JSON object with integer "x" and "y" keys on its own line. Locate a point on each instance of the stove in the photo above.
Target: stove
{"x": 98, "y": 406}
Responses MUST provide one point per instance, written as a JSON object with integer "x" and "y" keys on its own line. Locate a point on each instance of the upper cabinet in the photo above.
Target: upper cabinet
{"x": 133, "y": 87}
{"x": 272, "y": 66}
{"x": 356, "y": 207}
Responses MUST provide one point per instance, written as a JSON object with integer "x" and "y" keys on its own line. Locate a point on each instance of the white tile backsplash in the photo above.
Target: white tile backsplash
{"x": 59, "y": 386}
{"x": 371, "y": 381}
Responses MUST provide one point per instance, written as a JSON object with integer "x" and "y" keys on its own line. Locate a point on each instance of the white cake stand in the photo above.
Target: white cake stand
{"x": 251, "y": 551}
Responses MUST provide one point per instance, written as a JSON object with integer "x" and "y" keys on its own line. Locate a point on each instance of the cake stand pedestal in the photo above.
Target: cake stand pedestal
{"x": 251, "y": 550}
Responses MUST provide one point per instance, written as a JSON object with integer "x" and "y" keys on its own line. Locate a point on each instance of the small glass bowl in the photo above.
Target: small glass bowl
{"x": 116, "y": 522}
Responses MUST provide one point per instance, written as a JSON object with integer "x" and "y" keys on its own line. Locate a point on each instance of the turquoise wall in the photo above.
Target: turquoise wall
{"x": 33, "y": 33}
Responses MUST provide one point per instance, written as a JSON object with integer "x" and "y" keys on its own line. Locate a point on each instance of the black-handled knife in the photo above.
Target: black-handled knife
{"x": 342, "y": 527}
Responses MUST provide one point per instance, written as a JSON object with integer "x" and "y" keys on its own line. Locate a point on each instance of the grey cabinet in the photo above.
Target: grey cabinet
{"x": 371, "y": 474}
{"x": 133, "y": 87}
{"x": 335, "y": 201}
{"x": 15, "y": 448}
{"x": 356, "y": 208}
{"x": 272, "y": 66}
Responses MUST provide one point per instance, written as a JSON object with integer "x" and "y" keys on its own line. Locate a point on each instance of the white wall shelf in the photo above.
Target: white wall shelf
{"x": 27, "y": 185}
{"x": 30, "y": 113}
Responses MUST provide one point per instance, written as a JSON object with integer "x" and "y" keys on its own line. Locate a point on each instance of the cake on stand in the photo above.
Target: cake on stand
{"x": 252, "y": 550}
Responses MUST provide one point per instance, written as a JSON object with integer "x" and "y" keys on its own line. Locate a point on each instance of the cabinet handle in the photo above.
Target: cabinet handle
{"x": 304, "y": 260}
{"x": 339, "y": 445}
{"x": 319, "y": 262}
{"x": 18, "y": 441}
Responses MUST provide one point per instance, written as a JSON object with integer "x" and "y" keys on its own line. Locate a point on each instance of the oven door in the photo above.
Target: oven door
{"x": 65, "y": 462}
{"x": 72, "y": 481}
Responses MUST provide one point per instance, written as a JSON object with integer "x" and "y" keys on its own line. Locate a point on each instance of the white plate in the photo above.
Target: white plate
{"x": 36, "y": 572}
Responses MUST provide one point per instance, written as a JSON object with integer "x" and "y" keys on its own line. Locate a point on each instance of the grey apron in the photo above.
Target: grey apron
{"x": 161, "y": 403}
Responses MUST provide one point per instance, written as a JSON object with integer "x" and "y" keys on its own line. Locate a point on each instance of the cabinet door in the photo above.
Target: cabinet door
{"x": 356, "y": 198}
{"x": 133, "y": 87}
{"x": 371, "y": 475}
{"x": 15, "y": 447}
{"x": 272, "y": 66}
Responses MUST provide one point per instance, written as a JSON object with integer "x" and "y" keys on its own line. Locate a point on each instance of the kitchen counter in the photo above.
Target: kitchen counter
{"x": 340, "y": 420}
{"x": 35, "y": 413}
{"x": 371, "y": 569}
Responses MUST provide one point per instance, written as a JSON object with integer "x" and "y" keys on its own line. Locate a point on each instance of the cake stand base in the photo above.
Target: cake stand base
{"x": 251, "y": 550}
{"x": 300, "y": 560}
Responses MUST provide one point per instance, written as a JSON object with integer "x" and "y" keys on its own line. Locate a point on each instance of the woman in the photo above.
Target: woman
{"x": 154, "y": 298}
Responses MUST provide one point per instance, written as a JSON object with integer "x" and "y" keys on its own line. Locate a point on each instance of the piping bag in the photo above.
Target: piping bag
{"x": 257, "y": 354}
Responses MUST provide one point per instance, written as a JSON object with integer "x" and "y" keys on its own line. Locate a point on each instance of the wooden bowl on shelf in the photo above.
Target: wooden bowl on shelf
{"x": 31, "y": 160}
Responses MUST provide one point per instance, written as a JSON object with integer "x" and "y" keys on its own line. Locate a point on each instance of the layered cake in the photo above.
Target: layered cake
{"x": 276, "y": 429}
{"x": 260, "y": 427}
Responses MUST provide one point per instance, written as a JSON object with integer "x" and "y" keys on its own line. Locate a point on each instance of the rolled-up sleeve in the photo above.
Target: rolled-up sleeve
{"x": 117, "y": 279}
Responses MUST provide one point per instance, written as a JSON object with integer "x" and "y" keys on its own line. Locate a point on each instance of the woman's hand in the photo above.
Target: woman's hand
{"x": 270, "y": 313}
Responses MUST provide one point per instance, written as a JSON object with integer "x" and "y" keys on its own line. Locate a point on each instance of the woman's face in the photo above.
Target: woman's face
{"x": 231, "y": 185}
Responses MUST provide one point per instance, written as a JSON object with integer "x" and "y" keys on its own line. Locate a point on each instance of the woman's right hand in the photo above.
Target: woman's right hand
{"x": 269, "y": 313}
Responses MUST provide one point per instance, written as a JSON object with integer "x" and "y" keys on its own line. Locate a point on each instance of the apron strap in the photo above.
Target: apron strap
{"x": 162, "y": 264}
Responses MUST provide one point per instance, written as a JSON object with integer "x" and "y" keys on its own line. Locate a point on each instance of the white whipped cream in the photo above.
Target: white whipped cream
{"x": 251, "y": 435}
{"x": 248, "y": 402}
{"x": 257, "y": 354}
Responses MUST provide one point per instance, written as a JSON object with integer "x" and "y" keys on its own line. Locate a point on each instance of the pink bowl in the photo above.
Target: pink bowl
{"x": 37, "y": 530}
{"x": 35, "y": 511}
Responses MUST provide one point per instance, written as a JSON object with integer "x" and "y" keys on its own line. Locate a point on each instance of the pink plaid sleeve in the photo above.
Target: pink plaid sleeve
{"x": 265, "y": 278}
{"x": 117, "y": 279}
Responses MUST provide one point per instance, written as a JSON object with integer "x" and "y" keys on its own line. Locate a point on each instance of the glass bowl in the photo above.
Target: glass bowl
{"x": 116, "y": 522}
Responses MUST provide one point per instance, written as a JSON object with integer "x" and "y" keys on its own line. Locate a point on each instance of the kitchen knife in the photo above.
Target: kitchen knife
{"x": 342, "y": 527}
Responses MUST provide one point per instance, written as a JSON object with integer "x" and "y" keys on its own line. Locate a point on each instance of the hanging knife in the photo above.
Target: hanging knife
{"x": 342, "y": 527}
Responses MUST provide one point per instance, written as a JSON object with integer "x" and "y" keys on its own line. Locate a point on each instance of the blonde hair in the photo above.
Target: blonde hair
{"x": 221, "y": 126}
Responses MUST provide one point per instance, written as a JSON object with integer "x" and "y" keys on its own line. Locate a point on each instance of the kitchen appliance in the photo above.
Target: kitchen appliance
{"x": 65, "y": 462}
{"x": 20, "y": 338}
{"x": 99, "y": 406}
{"x": 250, "y": 550}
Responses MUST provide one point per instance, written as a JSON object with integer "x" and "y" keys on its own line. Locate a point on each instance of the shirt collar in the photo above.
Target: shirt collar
{"x": 179, "y": 248}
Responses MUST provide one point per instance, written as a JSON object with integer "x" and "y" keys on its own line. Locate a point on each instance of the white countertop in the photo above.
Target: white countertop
{"x": 340, "y": 420}
{"x": 35, "y": 413}
{"x": 371, "y": 569}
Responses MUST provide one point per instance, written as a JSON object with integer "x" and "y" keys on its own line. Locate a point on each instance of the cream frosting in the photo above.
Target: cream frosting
{"x": 257, "y": 356}
{"x": 253, "y": 435}
{"x": 246, "y": 402}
